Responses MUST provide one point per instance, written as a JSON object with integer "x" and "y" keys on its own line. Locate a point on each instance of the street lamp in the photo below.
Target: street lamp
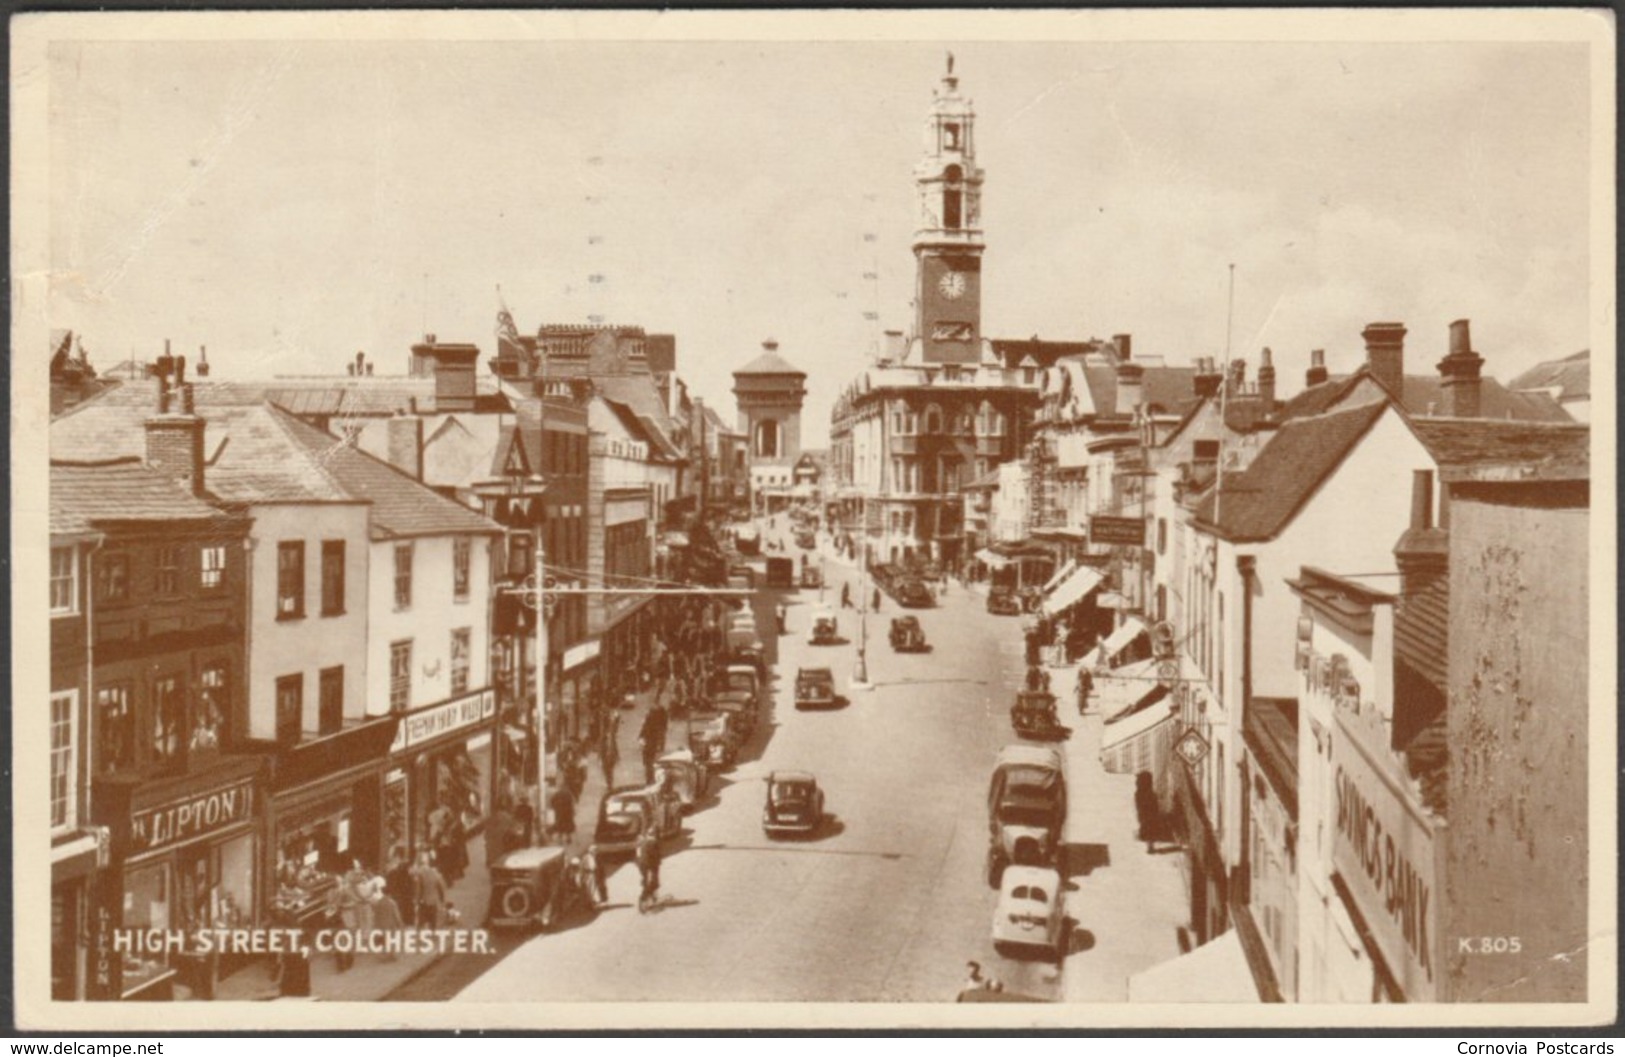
{"x": 860, "y": 674}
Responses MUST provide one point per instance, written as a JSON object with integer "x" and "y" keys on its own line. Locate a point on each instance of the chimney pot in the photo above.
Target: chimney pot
{"x": 1459, "y": 374}
{"x": 770, "y": 345}
{"x": 1125, "y": 345}
{"x": 1266, "y": 379}
{"x": 1316, "y": 374}
{"x": 369, "y": 370}
{"x": 1461, "y": 342}
{"x": 1421, "y": 499}
{"x": 1264, "y": 359}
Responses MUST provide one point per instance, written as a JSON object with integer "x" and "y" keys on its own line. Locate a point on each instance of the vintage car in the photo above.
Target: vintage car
{"x": 781, "y": 573}
{"x": 812, "y": 577}
{"x": 1030, "y": 911}
{"x": 627, "y": 812}
{"x": 825, "y": 631}
{"x": 524, "y": 884}
{"x": 795, "y": 804}
{"x": 743, "y": 644}
{"x": 1004, "y": 602}
{"x": 912, "y": 593}
{"x": 1026, "y": 808}
{"x": 739, "y": 695}
{"x": 1032, "y": 715}
{"x": 907, "y": 636}
{"x": 713, "y": 738}
{"x": 685, "y": 775}
{"x": 815, "y": 688}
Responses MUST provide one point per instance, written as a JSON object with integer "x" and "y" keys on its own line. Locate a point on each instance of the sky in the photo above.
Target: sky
{"x": 287, "y": 203}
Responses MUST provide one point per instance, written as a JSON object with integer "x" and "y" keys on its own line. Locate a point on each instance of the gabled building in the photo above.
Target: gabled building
{"x": 1568, "y": 381}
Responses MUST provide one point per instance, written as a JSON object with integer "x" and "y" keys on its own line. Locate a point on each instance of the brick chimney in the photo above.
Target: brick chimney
{"x": 175, "y": 432}
{"x": 1237, "y": 377}
{"x": 1125, "y": 346}
{"x": 1385, "y": 355}
{"x": 1130, "y": 387}
{"x": 1207, "y": 378}
{"x": 203, "y": 361}
{"x": 1423, "y": 552}
{"x": 406, "y": 445}
{"x": 452, "y": 366}
{"x": 1459, "y": 373}
{"x": 1266, "y": 379}
{"x": 1316, "y": 374}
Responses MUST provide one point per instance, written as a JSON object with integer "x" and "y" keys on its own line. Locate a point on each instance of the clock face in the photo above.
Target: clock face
{"x": 952, "y": 285}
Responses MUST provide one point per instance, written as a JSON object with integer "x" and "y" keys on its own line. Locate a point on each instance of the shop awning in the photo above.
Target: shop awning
{"x": 1119, "y": 639}
{"x": 1073, "y": 589}
{"x": 1217, "y": 971}
{"x": 1060, "y": 574}
{"x": 1142, "y": 739}
{"x": 992, "y": 560}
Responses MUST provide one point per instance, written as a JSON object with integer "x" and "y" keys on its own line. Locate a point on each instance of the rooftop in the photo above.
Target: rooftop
{"x": 84, "y": 495}
{"x": 1570, "y": 376}
{"x": 1423, "y": 396}
{"x": 1491, "y": 449}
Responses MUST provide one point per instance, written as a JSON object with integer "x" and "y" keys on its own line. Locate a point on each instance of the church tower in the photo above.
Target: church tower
{"x": 948, "y": 242}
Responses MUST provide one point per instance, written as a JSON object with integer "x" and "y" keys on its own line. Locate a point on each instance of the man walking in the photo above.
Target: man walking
{"x": 564, "y": 814}
{"x": 653, "y": 736}
{"x": 648, "y": 856}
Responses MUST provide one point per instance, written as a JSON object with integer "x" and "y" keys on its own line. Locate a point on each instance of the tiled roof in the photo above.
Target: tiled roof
{"x": 770, "y": 362}
{"x": 1534, "y": 450}
{"x": 1261, "y": 500}
{"x": 84, "y": 495}
{"x": 259, "y": 453}
{"x": 1423, "y": 396}
{"x": 1011, "y": 352}
{"x": 401, "y": 506}
{"x": 639, "y": 393}
{"x": 1570, "y": 376}
{"x": 330, "y": 396}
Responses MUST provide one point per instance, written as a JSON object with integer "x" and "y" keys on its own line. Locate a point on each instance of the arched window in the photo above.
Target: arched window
{"x": 767, "y": 439}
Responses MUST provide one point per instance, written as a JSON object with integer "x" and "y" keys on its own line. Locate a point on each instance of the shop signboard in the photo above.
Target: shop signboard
{"x": 1384, "y": 849}
{"x": 192, "y": 816}
{"x": 1129, "y": 531}
{"x": 577, "y": 655}
{"x": 429, "y": 723}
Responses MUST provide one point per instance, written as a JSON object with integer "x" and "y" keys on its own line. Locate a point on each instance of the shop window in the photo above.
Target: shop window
{"x": 113, "y": 578}
{"x": 290, "y": 579}
{"x": 146, "y": 908}
{"x": 396, "y": 820}
{"x": 64, "y": 580}
{"x": 213, "y": 706}
{"x": 330, "y": 699}
{"x": 290, "y": 708}
{"x": 166, "y": 579}
{"x": 462, "y": 551}
{"x": 64, "y": 731}
{"x": 400, "y": 675}
{"x": 212, "y": 567}
{"x": 460, "y": 644}
{"x": 168, "y": 717}
{"x": 403, "y": 575}
{"x": 332, "y": 578}
{"x": 115, "y": 728}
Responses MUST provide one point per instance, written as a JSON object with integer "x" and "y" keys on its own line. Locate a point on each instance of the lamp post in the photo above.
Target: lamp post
{"x": 860, "y": 673}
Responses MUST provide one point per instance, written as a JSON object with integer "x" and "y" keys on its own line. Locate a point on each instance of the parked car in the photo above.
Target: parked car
{"x": 1030, "y": 911}
{"x": 714, "y": 739}
{"x": 683, "y": 774}
{"x": 912, "y": 594}
{"x": 1026, "y": 808}
{"x": 1004, "y": 602}
{"x": 825, "y": 630}
{"x": 815, "y": 688}
{"x": 907, "y": 636}
{"x": 627, "y": 812}
{"x": 795, "y": 804}
{"x": 1032, "y": 715}
{"x": 523, "y": 884}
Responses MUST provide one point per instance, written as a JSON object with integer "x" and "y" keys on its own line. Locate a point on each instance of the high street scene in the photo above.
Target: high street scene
{"x": 863, "y": 522}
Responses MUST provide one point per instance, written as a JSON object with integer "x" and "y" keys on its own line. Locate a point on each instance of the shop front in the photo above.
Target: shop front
{"x": 441, "y": 779}
{"x": 73, "y": 864}
{"x": 183, "y": 857}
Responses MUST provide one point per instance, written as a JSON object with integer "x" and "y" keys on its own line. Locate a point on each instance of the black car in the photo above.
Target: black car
{"x": 795, "y": 804}
{"x": 907, "y": 636}
{"x": 1004, "y": 602}
{"x": 912, "y": 594}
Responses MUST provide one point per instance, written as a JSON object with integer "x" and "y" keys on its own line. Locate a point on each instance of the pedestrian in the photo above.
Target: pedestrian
{"x": 341, "y": 914}
{"x": 648, "y": 856}
{"x": 1148, "y": 811}
{"x": 875, "y": 606}
{"x": 386, "y": 912}
{"x": 1086, "y": 683}
{"x": 563, "y": 806}
{"x": 653, "y": 739}
{"x": 607, "y": 758}
{"x": 398, "y": 884}
{"x": 846, "y": 596}
{"x": 428, "y": 892}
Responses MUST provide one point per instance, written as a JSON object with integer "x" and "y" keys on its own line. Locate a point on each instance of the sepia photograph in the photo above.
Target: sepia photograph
{"x": 595, "y": 520}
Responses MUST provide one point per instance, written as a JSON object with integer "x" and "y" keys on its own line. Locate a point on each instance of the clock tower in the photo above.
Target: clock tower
{"x": 948, "y": 240}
